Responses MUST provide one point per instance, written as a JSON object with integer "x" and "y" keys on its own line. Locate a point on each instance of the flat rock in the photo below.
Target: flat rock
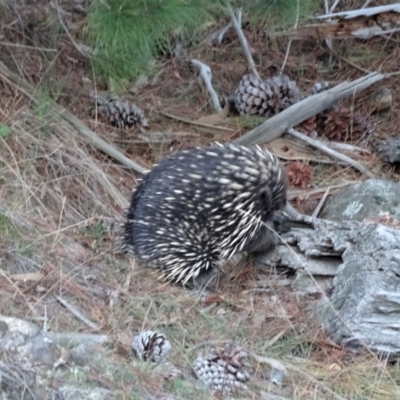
{"x": 371, "y": 199}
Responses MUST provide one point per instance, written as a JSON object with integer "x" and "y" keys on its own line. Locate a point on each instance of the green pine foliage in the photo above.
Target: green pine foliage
{"x": 279, "y": 14}
{"x": 125, "y": 34}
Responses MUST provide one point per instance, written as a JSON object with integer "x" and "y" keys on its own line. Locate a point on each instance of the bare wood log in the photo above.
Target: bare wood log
{"x": 304, "y": 109}
{"x": 363, "y": 307}
{"x": 363, "y": 23}
{"x": 362, "y": 12}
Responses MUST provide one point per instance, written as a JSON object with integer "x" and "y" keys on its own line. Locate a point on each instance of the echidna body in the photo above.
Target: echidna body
{"x": 197, "y": 208}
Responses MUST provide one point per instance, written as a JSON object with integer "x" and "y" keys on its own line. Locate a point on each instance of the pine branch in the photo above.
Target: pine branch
{"x": 126, "y": 35}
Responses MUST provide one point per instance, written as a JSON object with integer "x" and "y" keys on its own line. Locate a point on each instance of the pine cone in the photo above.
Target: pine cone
{"x": 149, "y": 345}
{"x": 288, "y": 90}
{"x": 123, "y": 114}
{"x": 308, "y": 126}
{"x": 300, "y": 174}
{"x": 342, "y": 124}
{"x": 254, "y": 96}
{"x": 224, "y": 369}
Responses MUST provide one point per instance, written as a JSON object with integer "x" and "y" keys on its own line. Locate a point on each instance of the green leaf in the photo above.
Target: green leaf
{"x": 5, "y": 130}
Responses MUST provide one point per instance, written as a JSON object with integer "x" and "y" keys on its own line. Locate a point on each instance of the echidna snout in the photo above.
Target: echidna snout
{"x": 197, "y": 208}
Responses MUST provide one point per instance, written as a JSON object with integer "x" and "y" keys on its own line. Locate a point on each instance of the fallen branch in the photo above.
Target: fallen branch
{"x": 291, "y": 40}
{"x": 363, "y": 12}
{"x": 347, "y": 147}
{"x": 320, "y": 204}
{"x": 84, "y": 50}
{"x": 78, "y": 314}
{"x": 346, "y": 60}
{"x": 300, "y": 193}
{"x": 218, "y": 36}
{"x": 237, "y": 24}
{"x": 330, "y": 151}
{"x": 363, "y": 23}
{"x": 306, "y": 108}
{"x": 206, "y": 75}
{"x": 210, "y": 128}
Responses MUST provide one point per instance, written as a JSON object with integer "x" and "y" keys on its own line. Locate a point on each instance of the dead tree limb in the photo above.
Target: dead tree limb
{"x": 304, "y": 109}
{"x": 333, "y": 153}
{"x": 363, "y": 23}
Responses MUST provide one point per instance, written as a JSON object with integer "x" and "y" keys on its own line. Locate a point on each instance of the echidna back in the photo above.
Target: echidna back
{"x": 200, "y": 206}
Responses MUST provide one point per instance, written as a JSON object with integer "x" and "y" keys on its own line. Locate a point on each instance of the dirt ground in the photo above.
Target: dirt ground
{"x": 61, "y": 202}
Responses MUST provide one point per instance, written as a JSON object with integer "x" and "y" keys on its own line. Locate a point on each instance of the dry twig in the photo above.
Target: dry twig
{"x": 321, "y": 203}
{"x": 78, "y": 313}
{"x": 237, "y": 23}
{"x": 291, "y": 40}
{"x": 206, "y": 75}
{"x": 218, "y": 36}
{"x": 317, "y": 144}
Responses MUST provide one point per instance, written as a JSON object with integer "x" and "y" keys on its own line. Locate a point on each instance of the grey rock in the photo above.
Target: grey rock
{"x": 43, "y": 351}
{"x": 382, "y": 100}
{"x": 274, "y": 375}
{"x": 372, "y": 199}
{"x": 389, "y": 149}
{"x": 362, "y": 306}
{"x": 82, "y": 354}
{"x": 12, "y": 340}
{"x": 15, "y": 324}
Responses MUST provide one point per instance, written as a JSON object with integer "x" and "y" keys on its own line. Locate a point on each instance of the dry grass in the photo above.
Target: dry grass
{"x": 58, "y": 211}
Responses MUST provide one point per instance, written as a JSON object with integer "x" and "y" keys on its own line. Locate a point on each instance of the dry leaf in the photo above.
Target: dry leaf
{"x": 30, "y": 276}
{"x": 215, "y": 119}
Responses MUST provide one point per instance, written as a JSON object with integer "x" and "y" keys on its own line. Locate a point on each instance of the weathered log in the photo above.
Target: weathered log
{"x": 304, "y": 109}
{"x": 362, "y": 306}
{"x": 363, "y": 23}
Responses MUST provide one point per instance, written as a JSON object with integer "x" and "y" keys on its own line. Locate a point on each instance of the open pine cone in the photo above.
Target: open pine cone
{"x": 340, "y": 123}
{"x": 269, "y": 97}
{"x": 300, "y": 174}
{"x": 288, "y": 90}
{"x": 149, "y": 345}
{"x": 123, "y": 114}
{"x": 224, "y": 369}
{"x": 308, "y": 126}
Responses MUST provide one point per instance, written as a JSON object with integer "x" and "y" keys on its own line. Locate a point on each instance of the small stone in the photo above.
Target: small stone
{"x": 382, "y": 100}
{"x": 82, "y": 354}
{"x": 43, "y": 351}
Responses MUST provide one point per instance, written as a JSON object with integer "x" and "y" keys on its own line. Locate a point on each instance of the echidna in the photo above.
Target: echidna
{"x": 197, "y": 208}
